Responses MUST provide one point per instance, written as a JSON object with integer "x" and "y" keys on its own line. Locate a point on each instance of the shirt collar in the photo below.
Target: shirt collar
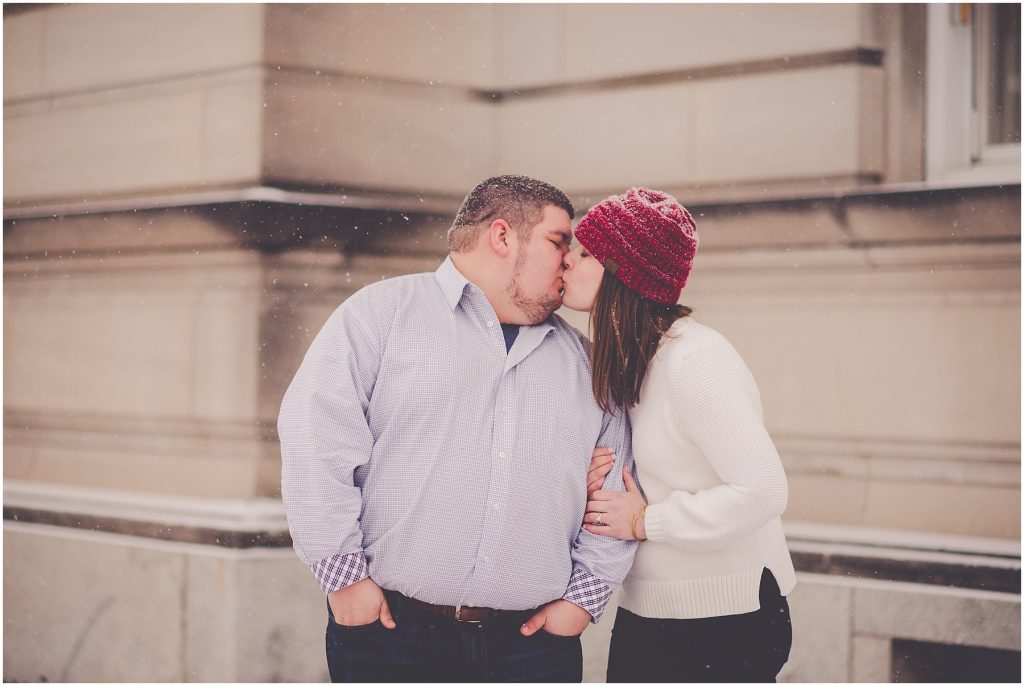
{"x": 453, "y": 283}
{"x": 453, "y": 286}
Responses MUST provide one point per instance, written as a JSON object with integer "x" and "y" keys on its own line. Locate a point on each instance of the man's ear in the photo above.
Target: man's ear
{"x": 500, "y": 237}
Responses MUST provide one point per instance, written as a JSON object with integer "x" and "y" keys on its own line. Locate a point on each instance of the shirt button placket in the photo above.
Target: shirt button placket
{"x": 499, "y": 475}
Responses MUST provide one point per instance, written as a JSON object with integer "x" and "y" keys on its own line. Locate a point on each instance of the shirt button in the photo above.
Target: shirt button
{"x": 490, "y": 323}
{"x": 496, "y": 506}
{"x": 503, "y": 455}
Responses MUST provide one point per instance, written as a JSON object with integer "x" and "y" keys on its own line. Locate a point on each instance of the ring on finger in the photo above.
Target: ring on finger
{"x": 600, "y": 519}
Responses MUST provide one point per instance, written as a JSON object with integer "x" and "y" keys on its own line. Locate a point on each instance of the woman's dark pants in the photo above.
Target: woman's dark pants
{"x": 750, "y": 647}
{"x": 429, "y": 648}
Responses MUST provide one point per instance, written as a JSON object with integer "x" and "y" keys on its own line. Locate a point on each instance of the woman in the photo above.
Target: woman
{"x": 705, "y": 599}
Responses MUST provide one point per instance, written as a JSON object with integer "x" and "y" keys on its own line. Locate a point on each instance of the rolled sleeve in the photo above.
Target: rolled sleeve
{"x": 589, "y": 592}
{"x": 339, "y": 571}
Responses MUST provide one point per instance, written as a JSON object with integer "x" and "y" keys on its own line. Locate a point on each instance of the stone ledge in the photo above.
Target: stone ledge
{"x": 970, "y": 572}
{"x": 973, "y": 573}
{"x": 128, "y": 527}
{"x": 907, "y": 540}
{"x": 929, "y": 559}
{"x": 32, "y": 500}
{"x": 968, "y": 562}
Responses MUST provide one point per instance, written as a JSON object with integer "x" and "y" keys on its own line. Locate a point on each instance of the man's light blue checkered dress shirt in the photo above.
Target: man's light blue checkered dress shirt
{"x": 416, "y": 450}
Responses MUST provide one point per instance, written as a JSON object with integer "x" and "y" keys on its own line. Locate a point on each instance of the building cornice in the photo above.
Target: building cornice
{"x": 411, "y": 201}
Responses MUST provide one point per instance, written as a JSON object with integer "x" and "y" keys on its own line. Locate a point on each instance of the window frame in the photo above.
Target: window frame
{"x": 957, "y": 149}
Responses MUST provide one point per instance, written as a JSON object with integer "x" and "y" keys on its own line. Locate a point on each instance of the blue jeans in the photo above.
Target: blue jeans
{"x": 425, "y": 647}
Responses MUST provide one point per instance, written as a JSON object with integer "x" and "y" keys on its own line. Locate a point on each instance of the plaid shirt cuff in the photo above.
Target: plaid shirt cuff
{"x": 589, "y": 592}
{"x": 340, "y": 571}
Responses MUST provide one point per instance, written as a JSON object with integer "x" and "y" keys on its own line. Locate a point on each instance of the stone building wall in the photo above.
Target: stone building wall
{"x": 191, "y": 189}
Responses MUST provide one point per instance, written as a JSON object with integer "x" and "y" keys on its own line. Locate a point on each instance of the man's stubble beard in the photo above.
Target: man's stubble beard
{"x": 536, "y": 309}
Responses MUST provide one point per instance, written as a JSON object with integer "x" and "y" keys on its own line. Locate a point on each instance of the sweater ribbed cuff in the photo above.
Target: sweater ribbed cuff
{"x": 654, "y": 523}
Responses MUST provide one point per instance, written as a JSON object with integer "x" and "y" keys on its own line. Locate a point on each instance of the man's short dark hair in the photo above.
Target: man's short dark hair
{"x": 519, "y": 200}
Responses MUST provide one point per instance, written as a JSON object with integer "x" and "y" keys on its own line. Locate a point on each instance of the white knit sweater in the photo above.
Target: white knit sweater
{"x": 713, "y": 480}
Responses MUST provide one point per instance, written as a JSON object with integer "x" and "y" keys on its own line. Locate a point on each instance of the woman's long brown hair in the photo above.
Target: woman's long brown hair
{"x": 626, "y": 328}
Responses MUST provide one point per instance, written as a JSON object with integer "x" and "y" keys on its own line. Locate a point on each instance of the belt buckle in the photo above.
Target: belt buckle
{"x": 458, "y": 618}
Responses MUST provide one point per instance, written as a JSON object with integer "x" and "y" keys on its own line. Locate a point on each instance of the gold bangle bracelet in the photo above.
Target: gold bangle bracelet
{"x": 632, "y": 526}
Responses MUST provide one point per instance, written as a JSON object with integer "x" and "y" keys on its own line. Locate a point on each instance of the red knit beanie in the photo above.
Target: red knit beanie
{"x": 645, "y": 238}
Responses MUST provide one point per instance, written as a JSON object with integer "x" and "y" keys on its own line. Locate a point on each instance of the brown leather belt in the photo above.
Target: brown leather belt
{"x": 462, "y": 613}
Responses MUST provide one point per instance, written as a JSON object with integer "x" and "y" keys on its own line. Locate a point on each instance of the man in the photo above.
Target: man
{"x": 435, "y": 445}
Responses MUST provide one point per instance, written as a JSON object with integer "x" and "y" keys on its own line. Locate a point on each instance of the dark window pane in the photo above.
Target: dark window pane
{"x": 1004, "y": 81}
